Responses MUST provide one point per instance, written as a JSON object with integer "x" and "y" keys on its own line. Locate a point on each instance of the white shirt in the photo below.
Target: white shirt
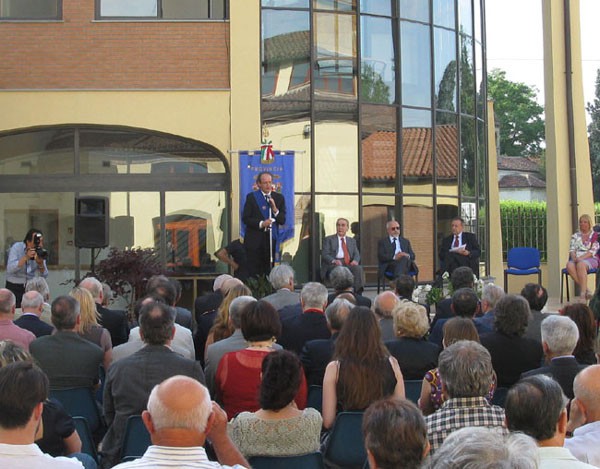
{"x": 182, "y": 340}
{"x": 396, "y": 242}
{"x": 31, "y": 457}
{"x": 585, "y": 444}
{"x": 555, "y": 457}
{"x": 340, "y": 253}
{"x": 167, "y": 456}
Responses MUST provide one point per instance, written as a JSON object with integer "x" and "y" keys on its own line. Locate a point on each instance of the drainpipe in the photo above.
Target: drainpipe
{"x": 570, "y": 123}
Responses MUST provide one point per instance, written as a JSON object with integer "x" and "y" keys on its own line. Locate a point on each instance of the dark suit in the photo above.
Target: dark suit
{"x": 256, "y": 240}
{"x": 415, "y": 356}
{"x": 512, "y": 356}
{"x": 563, "y": 370}
{"x": 329, "y": 253}
{"x": 452, "y": 260}
{"x": 443, "y": 310}
{"x": 115, "y": 321}
{"x": 128, "y": 385}
{"x": 360, "y": 299}
{"x": 385, "y": 257}
{"x": 297, "y": 330}
{"x": 315, "y": 356}
{"x": 437, "y": 332}
{"x": 34, "y": 324}
{"x": 205, "y": 303}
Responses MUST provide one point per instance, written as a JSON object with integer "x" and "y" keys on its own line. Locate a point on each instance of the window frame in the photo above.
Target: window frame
{"x": 158, "y": 17}
{"x": 58, "y": 17}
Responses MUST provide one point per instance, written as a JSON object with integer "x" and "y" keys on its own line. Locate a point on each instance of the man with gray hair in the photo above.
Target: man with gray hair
{"x": 485, "y": 448}
{"x": 342, "y": 281}
{"x": 383, "y": 305}
{"x": 310, "y": 324}
{"x": 115, "y": 321}
{"x": 489, "y": 298}
{"x": 536, "y": 406}
{"x": 32, "y": 306}
{"x": 8, "y": 330}
{"x": 584, "y": 420}
{"x": 40, "y": 285}
{"x": 559, "y": 338}
{"x": 180, "y": 418}
{"x": 69, "y": 360}
{"x": 466, "y": 374}
{"x": 234, "y": 342}
{"x": 282, "y": 280}
{"x": 316, "y": 354}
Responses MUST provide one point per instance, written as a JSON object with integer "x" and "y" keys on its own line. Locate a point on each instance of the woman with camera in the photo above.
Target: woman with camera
{"x": 26, "y": 260}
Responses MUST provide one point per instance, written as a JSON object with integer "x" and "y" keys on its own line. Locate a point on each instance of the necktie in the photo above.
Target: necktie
{"x": 455, "y": 245}
{"x": 346, "y": 253}
{"x": 394, "y": 244}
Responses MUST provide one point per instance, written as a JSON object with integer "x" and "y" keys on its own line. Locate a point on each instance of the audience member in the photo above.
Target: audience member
{"x": 559, "y": 336}
{"x": 415, "y": 355}
{"x": 537, "y": 296}
{"x": 56, "y": 435}
{"x": 130, "y": 380}
{"x": 362, "y": 370}
{"x": 40, "y": 285}
{"x": 278, "y": 428}
{"x": 211, "y": 301}
{"x": 184, "y": 315}
{"x": 89, "y": 328}
{"x": 341, "y": 250}
{"x": 462, "y": 277}
{"x": 8, "y": 329}
{"x": 466, "y": 373}
{"x": 582, "y": 315}
{"x": 222, "y": 327}
{"x": 311, "y": 324}
{"x": 512, "y": 354}
{"x": 238, "y": 375}
{"x": 170, "y": 291}
{"x": 395, "y": 435}
{"x": 282, "y": 280}
{"x": 465, "y": 304}
{"x": 490, "y": 296}
{"x": 69, "y": 360}
{"x": 112, "y": 319}
{"x": 23, "y": 390}
{"x": 485, "y": 448}
{"x": 383, "y": 305}
{"x": 180, "y": 419}
{"x": 32, "y": 306}
{"x": 536, "y": 406}
{"x": 316, "y": 354}
{"x": 107, "y": 295}
{"x": 584, "y": 419}
{"x": 342, "y": 281}
{"x": 405, "y": 286}
{"x": 181, "y": 344}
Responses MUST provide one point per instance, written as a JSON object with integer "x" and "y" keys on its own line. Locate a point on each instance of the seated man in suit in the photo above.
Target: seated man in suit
{"x": 459, "y": 249}
{"x": 339, "y": 249}
{"x": 394, "y": 253}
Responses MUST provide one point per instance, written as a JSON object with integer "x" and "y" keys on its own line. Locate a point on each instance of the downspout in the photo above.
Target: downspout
{"x": 570, "y": 123}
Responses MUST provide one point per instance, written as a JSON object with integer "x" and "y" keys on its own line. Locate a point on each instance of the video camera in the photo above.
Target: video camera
{"x": 39, "y": 251}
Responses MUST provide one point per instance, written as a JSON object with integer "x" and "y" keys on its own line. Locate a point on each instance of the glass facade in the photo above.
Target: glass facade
{"x": 384, "y": 103}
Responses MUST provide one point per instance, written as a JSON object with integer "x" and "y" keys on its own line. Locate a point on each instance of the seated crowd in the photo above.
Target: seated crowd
{"x": 502, "y": 384}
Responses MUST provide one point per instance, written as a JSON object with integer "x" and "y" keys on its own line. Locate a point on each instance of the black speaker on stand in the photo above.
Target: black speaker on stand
{"x": 91, "y": 223}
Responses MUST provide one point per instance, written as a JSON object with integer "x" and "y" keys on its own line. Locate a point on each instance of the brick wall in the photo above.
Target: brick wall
{"x": 78, "y": 53}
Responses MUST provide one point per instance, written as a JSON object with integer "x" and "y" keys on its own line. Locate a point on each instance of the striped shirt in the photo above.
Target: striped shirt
{"x": 462, "y": 412}
{"x": 175, "y": 457}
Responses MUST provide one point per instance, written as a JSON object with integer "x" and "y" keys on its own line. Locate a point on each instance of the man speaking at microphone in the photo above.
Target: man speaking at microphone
{"x": 264, "y": 213}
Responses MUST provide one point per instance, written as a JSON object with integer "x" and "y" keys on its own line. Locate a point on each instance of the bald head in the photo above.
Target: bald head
{"x": 178, "y": 411}
{"x": 586, "y": 388}
{"x": 384, "y": 304}
{"x": 229, "y": 284}
{"x": 94, "y": 286}
{"x": 32, "y": 302}
{"x": 7, "y": 302}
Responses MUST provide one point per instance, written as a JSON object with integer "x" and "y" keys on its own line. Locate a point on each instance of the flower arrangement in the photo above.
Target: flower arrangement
{"x": 429, "y": 294}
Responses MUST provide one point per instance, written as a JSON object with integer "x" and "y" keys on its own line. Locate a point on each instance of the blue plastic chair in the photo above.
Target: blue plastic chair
{"x": 80, "y": 402}
{"x": 314, "y": 398}
{"x": 135, "y": 440}
{"x": 85, "y": 435}
{"x": 346, "y": 446}
{"x": 565, "y": 280}
{"x": 412, "y": 388}
{"x": 522, "y": 261}
{"x": 306, "y": 461}
{"x": 381, "y": 278}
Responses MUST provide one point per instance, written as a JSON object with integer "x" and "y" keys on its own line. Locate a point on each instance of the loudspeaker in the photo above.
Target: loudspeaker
{"x": 91, "y": 222}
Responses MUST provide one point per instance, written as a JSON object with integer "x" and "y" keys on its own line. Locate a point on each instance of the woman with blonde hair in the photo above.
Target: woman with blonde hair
{"x": 222, "y": 327}
{"x": 89, "y": 328}
{"x": 582, "y": 255}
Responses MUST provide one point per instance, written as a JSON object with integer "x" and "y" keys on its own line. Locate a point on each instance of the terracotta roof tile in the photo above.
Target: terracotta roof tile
{"x": 518, "y": 181}
{"x": 518, "y": 163}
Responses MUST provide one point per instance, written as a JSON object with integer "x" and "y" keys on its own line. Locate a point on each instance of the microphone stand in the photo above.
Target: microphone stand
{"x": 269, "y": 230}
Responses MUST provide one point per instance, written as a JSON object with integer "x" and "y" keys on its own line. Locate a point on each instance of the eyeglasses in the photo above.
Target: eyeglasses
{"x": 395, "y": 227}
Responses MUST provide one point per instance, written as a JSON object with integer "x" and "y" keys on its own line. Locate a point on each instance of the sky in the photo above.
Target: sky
{"x": 515, "y": 42}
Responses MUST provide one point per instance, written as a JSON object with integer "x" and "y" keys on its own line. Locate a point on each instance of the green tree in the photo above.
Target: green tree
{"x": 594, "y": 138}
{"x": 518, "y": 115}
{"x": 373, "y": 88}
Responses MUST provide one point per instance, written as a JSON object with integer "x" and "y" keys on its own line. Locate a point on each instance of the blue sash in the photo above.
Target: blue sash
{"x": 264, "y": 207}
